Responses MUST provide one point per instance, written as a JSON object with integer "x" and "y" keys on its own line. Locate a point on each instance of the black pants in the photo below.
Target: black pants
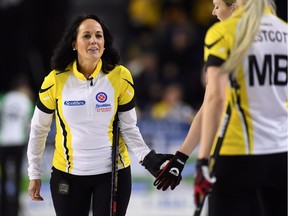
{"x": 85, "y": 191}
{"x": 250, "y": 186}
{"x": 11, "y": 159}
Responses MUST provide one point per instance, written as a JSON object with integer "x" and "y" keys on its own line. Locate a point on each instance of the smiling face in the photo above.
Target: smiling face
{"x": 222, "y": 10}
{"x": 90, "y": 41}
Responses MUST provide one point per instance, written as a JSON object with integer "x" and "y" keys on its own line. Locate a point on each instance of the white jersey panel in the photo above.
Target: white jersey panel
{"x": 15, "y": 119}
{"x": 266, "y": 84}
{"x": 89, "y": 112}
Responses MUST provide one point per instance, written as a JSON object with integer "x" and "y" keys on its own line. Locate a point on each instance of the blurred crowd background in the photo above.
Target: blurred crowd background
{"x": 160, "y": 41}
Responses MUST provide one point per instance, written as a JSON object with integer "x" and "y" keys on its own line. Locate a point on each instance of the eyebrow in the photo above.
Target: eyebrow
{"x": 89, "y": 32}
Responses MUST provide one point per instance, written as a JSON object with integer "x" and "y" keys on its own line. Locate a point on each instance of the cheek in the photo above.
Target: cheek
{"x": 102, "y": 44}
{"x": 80, "y": 45}
{"x": 224, "y": 14}
{"x": 228, "y": 12}
{"x": 102, "y": 48}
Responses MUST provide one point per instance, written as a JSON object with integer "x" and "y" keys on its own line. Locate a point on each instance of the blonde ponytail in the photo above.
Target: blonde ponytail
{"x": 249, "y": 25}
{"x": 272, "y": 6}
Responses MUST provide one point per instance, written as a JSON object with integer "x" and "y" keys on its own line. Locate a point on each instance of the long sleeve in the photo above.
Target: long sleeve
{"x": 40, "y": 126}
{"x": 131, "y": 134}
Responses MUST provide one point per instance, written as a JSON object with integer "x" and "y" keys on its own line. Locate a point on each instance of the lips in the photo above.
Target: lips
{"x": 93, "y": 49}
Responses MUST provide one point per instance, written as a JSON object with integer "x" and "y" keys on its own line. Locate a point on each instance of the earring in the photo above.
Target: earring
{"x": 74, "y": 48}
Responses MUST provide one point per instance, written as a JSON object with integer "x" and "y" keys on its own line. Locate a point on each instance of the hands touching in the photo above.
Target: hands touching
{"x": 34, "y": 190}
{"x": 171, "y": 173}
{"x": 153, "y": 162}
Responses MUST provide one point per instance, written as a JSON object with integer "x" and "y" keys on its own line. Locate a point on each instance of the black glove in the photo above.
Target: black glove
{"x": 152, "y": 162}
{"x": 203, "y": 181}
{"x": 171, "y": 173}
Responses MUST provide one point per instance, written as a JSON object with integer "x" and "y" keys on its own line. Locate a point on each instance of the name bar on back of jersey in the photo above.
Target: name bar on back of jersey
{"x": 270, "y": 35}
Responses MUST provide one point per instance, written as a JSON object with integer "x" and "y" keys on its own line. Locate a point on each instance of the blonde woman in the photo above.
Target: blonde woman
{"x": 244, "y": 117}
{"x": 222, "y": 10}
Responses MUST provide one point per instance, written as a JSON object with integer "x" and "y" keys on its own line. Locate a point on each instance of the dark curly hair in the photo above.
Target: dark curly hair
{"x": 64, "y": 55}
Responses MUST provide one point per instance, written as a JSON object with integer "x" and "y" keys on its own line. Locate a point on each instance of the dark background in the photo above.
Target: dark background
{"x": 30, "y": 30}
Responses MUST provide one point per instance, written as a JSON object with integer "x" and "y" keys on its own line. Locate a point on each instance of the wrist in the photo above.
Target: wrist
{"x": 146, "y": 158}
{"x": 183, "y": 157}
{"x": 201, "y": 162}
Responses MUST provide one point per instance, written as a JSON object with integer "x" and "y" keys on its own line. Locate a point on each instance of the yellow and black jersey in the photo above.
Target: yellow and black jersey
{"x": 257, "y": 93}
{"x": 84, "y": 112}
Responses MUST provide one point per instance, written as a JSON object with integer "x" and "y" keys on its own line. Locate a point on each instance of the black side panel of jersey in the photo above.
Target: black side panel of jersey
{"x": 126, "y": 107}
{"x": 41, "y": 106}
{"x": 214, "y": 61}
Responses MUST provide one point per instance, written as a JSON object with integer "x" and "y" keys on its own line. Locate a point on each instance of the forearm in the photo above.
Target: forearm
{"x": 214, "y": 102}
{"x": 193, "y": 137}
{"x": 40, "y": 126}
{"x": 131, "y": 134}
{"x": 211, "y": 119}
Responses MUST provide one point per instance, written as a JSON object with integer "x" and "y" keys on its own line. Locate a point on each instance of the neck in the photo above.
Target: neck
{"x": 87, "y": 68}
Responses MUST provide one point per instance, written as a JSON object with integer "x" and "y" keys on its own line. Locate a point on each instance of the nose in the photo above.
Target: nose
{"x": 213, "y": 12}
{"x": 93, "y": 40}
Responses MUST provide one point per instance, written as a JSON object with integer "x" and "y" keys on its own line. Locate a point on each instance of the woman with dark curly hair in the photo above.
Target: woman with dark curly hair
{"x": 86, "y": 91}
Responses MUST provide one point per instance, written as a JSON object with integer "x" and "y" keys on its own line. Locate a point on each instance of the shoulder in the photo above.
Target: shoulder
{"x": 277, "y": 21}
{"x": 16, "y": 97}
{"x": 222, "y": 29}
{"x": 221, "y": 35}
{"x": 122, "y": 71}
{"x": 56, "y": 76}
{"x": 214, "y": 33}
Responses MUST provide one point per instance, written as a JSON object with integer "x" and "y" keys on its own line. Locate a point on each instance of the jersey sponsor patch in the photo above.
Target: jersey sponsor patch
{"x": 103, "y": 108}
{"x": 101, "y": 97}
{"x": 74, "y": 103}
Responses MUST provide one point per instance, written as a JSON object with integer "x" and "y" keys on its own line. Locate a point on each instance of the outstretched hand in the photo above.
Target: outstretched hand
{"x": 171, "y": 173}
{"x": 153, "y": 162}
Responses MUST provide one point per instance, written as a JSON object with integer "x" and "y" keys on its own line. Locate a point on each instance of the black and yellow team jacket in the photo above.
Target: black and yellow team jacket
{"x": 84, "y": 111}
{"x": 255, "y": 121}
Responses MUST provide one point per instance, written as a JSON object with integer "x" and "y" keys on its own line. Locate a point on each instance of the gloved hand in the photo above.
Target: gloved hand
{"x": 152, "y": 162}
{"x": 203, "y": 181}
{"x": 171, "y": 173}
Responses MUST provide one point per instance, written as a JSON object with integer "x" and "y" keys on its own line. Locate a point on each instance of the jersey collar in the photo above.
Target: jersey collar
{"x": 80, "y": 76}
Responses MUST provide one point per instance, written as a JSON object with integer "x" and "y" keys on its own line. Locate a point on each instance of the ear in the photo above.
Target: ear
{"x": 73, "y": 46}
{"x": 233, "y": 6}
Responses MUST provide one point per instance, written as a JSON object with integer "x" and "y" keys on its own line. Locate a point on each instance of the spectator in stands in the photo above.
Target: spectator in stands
{"x": 172, "y": 107}
{"x": 16, "y": 108}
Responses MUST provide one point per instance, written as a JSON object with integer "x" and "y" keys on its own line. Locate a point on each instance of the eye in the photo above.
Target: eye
{"x": 99, "y": 35}
{"x": 86, "y": 36}
{"x": 216, "y": 6}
